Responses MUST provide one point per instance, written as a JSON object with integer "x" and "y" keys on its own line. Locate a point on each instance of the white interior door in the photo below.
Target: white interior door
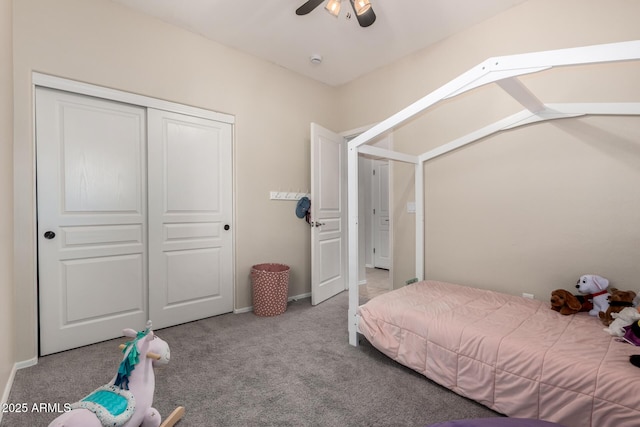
{"x": 190, "y": 213}
{"x": 91, "y": 190}
{"x": 328, "y": 213}
{"x": 381, "y": 253}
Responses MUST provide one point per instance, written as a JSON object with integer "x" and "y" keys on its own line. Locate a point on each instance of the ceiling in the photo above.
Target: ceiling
{"x": 270, "y": 29}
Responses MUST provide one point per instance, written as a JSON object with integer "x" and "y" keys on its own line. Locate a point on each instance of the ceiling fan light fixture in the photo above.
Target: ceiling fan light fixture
{"x": 362, "y": 6}
{"x": 333, "y": 7}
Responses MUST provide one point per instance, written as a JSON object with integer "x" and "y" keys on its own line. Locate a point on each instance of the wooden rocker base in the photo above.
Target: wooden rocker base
{"x": 175, "y": 416}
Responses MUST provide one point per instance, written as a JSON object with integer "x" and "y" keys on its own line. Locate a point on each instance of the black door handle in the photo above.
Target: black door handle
{"x": 226, "y": 227}
{"x": 49, "y": 235}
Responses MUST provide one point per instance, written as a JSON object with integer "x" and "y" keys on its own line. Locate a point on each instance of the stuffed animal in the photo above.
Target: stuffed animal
{"x": 630, "y": 325}
{"x": 617, "y": 301}
{"x": 126, "y": 400}
{"x": 636, "y": 300}
{"x": 565, "y": 302}
{"x": 632, "y": 333}
{"x": 597, "y": 287}
{"x": 624, "y": 317}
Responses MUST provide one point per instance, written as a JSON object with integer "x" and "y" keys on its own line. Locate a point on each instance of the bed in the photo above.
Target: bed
{"x": 511, "y": 354}
{"x": 504, "y": 72}
{"x": 514, "y": 355}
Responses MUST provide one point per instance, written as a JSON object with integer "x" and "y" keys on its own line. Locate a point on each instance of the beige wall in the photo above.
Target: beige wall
{"x": 103, "y": 43}
{"x": 528, "y": 210}
{"x": 492, "y": 220}
{"x": 7, "y": 349}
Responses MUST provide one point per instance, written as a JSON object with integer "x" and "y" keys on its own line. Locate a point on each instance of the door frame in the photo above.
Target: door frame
{"x": 52, "y": 82}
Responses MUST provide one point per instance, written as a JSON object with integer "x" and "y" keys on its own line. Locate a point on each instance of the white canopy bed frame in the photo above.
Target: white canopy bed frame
{"x": 504, "y": 72}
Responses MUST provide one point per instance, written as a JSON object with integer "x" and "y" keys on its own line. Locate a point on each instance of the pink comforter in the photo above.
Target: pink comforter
{"x": 513, "y": 355}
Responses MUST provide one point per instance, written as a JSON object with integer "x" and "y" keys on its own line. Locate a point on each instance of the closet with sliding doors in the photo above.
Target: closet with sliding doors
{"x": 134, "y": 200}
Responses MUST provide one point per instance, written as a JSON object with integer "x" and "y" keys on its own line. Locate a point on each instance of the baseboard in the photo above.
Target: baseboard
{"x": 27, "y": 363}
{"x": 7, "y": 388}
{"x": 293, "y": 298}
{"x": 301, "y": 296}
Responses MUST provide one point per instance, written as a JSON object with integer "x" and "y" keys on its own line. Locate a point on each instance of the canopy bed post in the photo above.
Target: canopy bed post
{"x": 354, "y": 150}
{"x": 352, "y": 212}
{"x": 420, "y": 226}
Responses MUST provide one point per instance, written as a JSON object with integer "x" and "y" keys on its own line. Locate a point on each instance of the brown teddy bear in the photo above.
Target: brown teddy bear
{"x": 617, "y": 301}
{"x": 565, "y": 302}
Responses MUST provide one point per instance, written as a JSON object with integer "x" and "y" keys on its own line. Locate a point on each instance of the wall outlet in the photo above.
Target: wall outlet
{"x": 526, "y": 295}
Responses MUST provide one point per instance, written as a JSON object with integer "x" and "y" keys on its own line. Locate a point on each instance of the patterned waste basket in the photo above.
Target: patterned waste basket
{"x": 270, "y": 289}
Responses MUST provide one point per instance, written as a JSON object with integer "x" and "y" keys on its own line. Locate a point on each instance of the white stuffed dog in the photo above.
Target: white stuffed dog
{"x": 595, "y": 286}
{"x": 627, "y": 316}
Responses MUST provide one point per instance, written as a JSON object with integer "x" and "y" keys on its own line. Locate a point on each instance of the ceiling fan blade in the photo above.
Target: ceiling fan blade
{"x": 308, "y": 7}
{"x": 367, "y": 18}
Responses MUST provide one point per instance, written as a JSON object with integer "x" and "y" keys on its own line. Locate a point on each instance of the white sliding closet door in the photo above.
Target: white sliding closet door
{"x": 134, "y": 218}
{"x": 91, "y": 180}
{"x": 190, "y": 212}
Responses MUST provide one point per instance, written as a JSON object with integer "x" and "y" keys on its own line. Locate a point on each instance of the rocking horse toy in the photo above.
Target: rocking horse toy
{"x": 126, "y": 400}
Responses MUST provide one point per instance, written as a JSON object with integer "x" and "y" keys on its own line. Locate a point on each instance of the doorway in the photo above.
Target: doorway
{"x": 375, "y": 230}
{"x": 328, "y": 212}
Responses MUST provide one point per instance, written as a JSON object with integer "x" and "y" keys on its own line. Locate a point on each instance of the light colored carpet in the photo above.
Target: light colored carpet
{"x": 295, "y": 369}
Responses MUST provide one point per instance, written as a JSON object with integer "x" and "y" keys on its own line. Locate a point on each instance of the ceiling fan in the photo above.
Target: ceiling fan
{"x": 362, "y": 8}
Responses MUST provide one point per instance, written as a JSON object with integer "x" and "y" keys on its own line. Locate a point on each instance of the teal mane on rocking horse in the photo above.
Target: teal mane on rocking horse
{"x": 126, "y": 400}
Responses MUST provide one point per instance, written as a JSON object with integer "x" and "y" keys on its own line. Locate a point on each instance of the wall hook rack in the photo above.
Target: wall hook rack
{"x": 287, "y": 195}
